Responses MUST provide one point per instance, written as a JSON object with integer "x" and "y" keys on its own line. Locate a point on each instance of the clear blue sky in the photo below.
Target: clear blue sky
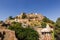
{"x": 49, "y": 8}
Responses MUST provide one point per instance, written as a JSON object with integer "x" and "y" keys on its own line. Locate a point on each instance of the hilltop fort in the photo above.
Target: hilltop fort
{"x": 35, "y": 21}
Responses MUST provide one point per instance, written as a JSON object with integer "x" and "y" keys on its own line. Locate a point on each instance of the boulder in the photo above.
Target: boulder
{"x": 6, "y": 34}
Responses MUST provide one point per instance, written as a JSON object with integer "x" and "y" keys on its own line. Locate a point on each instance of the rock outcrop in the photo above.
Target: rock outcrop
{"x": 6, "y": 34}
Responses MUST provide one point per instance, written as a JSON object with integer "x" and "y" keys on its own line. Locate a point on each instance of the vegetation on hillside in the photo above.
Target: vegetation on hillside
{"x": 10, "y": 18}
{"x": 47, "y": 20}
{"x": 57, "y": 29}
{"x": 24, "y": 33}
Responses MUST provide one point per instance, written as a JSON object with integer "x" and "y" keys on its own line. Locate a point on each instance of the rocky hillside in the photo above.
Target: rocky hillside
{"x": 32, "y": 20}
{"x": 6, "y": 34}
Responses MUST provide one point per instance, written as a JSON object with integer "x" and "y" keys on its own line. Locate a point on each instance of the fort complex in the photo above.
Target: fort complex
{"x": 34, "y": 21}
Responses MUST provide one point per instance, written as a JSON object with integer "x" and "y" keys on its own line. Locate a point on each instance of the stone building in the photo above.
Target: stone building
{"x": 46, "y": 33}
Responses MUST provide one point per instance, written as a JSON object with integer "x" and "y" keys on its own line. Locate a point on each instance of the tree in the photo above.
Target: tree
{"x": 24, "y": 33}
{"x": 1, "y": 21}
{"x": 43, "y": 24}
{"x": 27, "y": 34}
{"x": 10, "y": 17}
{"x": 24, "y": 16}
{"x": 57, "y": 29}
{"x": 58, "y": 21}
